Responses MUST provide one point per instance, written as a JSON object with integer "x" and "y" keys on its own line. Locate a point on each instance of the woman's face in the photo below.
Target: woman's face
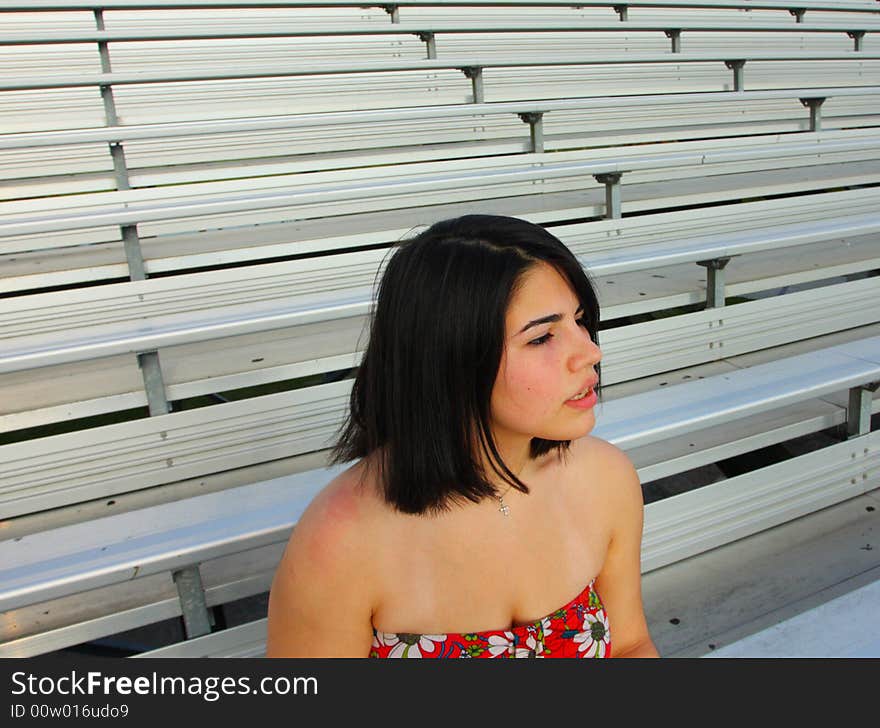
{"x": 544, "y": 364}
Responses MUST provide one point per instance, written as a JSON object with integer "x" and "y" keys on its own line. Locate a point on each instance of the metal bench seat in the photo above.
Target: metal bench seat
{"x": 244, "y": 640}
{"x": 89, "y": 323}
{"x": 77, "y": 160}
{"x": 45, "y": 266}
{"x": 234, "y": 365}
{"x": 103, "y": 461}
{"x": 116, "y": 79}
{"x": 159, "y": 95}
{"x": 172, "y": 209}
{"x": 197, "y": 30}
{"x": 116, "y": 549}
{"x": 358, "y": 117}
{"x": 778, "y": 5}
{"x": 756, "y": 275}
{"x": 189, "y": 308}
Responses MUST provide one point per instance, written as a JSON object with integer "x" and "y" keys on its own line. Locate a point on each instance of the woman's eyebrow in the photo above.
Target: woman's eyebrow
{"x": 551, "y": 318}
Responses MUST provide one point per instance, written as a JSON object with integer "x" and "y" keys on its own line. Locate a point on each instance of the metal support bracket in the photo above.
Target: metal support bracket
{"x": 196, "y": 617}
{"x": 393, "y": 11}
{"x": 613, "y": 206}
{"x": 675, "y": 34}
{"x": 431, "y": 42}
{"x": 120, "y": 169}
{"x": 130, "y": 239}
{"x": 109, "y": 104}
{"x": 535, "y": 120}
{"x": 133, "y": 255}
{"x": 858, "y": 413}
{"x": 154, "y": 383}
{"x": 857, "y": 36}
{"x": 475, "y": 74}
{"x": 714, "y": 281}
{"x": 621, "y": 10}
{"x": 737, "y": 68}
{"x": 815, "y": 106}
{"x": 798, "y": 14}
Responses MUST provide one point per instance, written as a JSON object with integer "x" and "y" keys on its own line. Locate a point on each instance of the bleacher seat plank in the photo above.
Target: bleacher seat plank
{"x": 245, "y": 640}
{"x": 165, "y": 210}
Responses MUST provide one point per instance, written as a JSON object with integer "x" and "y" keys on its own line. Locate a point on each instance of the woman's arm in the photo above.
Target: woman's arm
{"x": 320, "y": 601}
{"x": 619, "y": 582}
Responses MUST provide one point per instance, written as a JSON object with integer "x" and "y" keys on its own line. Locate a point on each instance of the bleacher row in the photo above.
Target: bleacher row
{"x": 196, "y": 198}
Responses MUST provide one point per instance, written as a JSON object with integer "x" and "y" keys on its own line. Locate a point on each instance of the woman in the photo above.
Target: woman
{"x": 478, "y": 502}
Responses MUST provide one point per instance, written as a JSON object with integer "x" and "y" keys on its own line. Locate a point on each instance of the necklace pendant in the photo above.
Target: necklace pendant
{"x": 505, "y": 509}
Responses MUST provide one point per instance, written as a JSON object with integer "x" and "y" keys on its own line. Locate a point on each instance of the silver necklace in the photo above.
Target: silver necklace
{"x": 505, "y": 509}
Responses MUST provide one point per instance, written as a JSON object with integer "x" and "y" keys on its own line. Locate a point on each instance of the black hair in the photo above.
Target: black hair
{"x": 420, "y": 398}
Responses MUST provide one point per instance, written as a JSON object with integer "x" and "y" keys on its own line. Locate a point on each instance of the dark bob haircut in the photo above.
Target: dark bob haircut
{"x": 421, "y": 396}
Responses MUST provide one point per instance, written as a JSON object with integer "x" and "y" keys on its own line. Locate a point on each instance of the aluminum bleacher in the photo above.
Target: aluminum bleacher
{"x": 193, "y": 217}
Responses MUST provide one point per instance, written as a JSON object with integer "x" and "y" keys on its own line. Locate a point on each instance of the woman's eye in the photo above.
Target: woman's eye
{"x": 540, "y": 340}
{"x": 582, "y": 321}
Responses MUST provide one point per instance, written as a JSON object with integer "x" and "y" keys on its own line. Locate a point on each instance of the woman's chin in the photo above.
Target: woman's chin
{"x": 574, "y": 431}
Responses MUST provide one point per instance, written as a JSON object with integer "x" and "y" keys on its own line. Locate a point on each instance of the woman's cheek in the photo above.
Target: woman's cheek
{"x": 528, "y": 385}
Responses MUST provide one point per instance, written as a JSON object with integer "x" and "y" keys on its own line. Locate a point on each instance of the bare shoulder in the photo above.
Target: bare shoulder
{"x": 330, "y": 530}
{"x": 613, "y": 473}
{"x": 605, "y": 485}
{"x": 616, "y": 499}
{"x": 322, "y": 598}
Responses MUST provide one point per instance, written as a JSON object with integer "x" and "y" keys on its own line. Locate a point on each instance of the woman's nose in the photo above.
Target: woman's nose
{"x": 587, "y": 353}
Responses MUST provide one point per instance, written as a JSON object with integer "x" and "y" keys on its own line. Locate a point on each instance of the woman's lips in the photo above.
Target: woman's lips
{"x": 585, "y": 402}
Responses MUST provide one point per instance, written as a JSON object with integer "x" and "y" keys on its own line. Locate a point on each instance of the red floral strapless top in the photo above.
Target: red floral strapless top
{"x": 578, "y": 629}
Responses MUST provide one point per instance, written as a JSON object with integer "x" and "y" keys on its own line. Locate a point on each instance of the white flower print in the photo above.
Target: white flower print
{"x": 530, "y": 645}
{"x": 594, "y": 638}
{"x": 412, "y": 645}
{"x": 500, "y": 644}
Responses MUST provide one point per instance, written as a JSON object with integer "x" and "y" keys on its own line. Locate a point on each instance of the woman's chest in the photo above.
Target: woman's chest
{"x": 488, "y": 572}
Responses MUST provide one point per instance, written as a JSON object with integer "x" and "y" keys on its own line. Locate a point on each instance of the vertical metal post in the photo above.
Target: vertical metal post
{"x": 858, "y": 413}
{"x": 535, "y": 120}
{"x": 815, "y": 105}
{"x": 130, "y": 239}
{"x": 475, "y": 74}
{"x": 132, "y": 245}
{"x": 431, "y": 42}
{"x": 675, "y": 34}
{"x": 154, "y": 383}
{"x": 798, "y": 14}
{"x": 117, "y": 153}
{"x": 394, "y": 12}
{"x": 196, "y": 617}
{"x": 737, "y": 68}
{"x": 857, "y": 36}
{"x": 622, "y": 11}
{"x": 148, "y": 362}
{"x": 714, "y": 281}
{"x": 613, "y": 205}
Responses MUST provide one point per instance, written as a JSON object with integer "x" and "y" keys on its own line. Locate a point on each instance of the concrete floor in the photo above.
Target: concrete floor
{"x": 848, "y": 624}
{"x": 712, "y": 600}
